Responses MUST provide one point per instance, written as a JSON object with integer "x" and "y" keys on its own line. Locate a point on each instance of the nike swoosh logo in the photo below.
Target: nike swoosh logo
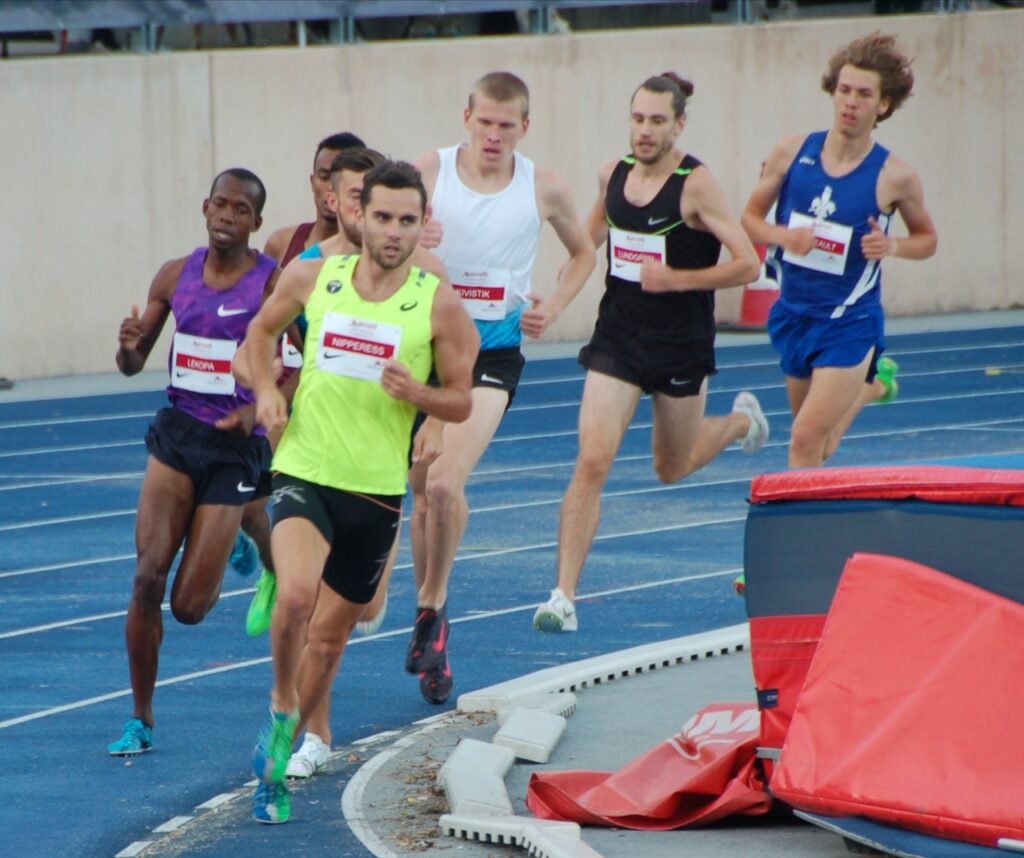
{"x": 654, "y": 221}
{"x": 329, "y": 356}
{"x": 678, "y": 382}
{"x": 242, "y": 487}
{"x": 438, "y": 645}
{"x": 181, "y": 374}
{"x": 620, "y": 265}
{"x": 490, "y": 379}
{"x": 411, "y": 305}
{"x": 224, "y": 312}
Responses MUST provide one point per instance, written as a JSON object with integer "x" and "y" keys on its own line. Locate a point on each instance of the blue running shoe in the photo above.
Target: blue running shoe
{"x": 272, "y": 804}
{"x": 245, "y": 556}
{"x": 137, "y": 739}
{"x": 274, "y": 746}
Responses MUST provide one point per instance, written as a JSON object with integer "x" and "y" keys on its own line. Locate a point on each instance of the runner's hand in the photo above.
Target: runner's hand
{"x": 239, "y": 422}
{"x": 876, "y": 244}
{"x": 433, "y": 231}
{"x": 535, "y": 318}
{"x": 798, "y": 240}
{"x": 396, "y": 380}
{"x": 271, "y": 409}
{"x": 428, "y": 442}
{"x": 658, "y": 278}
{"x": 131, "y": 331}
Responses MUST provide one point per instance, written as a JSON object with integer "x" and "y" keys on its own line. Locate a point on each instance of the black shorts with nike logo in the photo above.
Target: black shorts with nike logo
{"x": 636, "y": 342}
{"x": 224, "y": 469}
{"x": 500, "y": 369}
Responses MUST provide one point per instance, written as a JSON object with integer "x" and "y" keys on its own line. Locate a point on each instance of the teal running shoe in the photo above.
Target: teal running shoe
{"x": 245, "y": 556}
{"x": 886, "y": 371}
{"x": 137, "y": 739}
{"x": 274, "y": 746}
{"x": 261, "y": 608}
{"x": 272, "y": 804}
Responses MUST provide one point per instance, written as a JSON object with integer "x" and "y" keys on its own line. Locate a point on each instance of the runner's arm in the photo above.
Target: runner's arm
{"x": 254, "y": 366}
{"x": 703, "y": 200}
{"x": 560, "y": 211}
{"x": 455, "y": 346}
{"x": 909, "y": 202}
{"x": 764, "y": 195}
{"x": 137, "y": 336}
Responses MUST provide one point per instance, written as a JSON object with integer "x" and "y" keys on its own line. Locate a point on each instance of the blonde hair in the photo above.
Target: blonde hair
{"x": 502, "y": 86}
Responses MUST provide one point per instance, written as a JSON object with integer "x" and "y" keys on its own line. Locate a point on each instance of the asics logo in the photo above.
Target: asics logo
{"x": 293, "y": 492}
{"x": 242, "y": 487}
{"x": 654, "y": 221}
{"x": 224, "y": 312}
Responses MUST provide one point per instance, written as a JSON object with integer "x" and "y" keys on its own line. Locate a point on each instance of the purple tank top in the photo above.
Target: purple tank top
{"x": 207, "y": 321}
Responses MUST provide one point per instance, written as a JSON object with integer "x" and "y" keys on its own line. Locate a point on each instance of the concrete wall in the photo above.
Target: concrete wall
{"x": 106, "y": 160}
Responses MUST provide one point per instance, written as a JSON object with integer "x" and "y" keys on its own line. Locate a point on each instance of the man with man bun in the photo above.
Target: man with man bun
{"x": 665, "y": 221}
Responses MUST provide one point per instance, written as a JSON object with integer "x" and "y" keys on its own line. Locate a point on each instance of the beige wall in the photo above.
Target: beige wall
{"x": 107, "y": 159}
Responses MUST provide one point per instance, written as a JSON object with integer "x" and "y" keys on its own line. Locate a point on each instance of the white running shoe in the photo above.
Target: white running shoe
{"x": 557, "y": 614}
{"x": 310, "y": 758}
{"x": 369, "y": 627}
{"x": 746, "y": 403}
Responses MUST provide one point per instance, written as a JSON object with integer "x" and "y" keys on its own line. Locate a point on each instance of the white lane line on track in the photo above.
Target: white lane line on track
{"x": 200, "y": 674}
{"x": 47, "y": 481}
{"x": 75, "y": 564}
{"x": 77, "y": 448}
{"x": 68, "y": 519}
{"x": 71, "y": 421}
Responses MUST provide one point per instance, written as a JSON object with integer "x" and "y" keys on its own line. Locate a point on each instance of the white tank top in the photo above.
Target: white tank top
{"x": 488, "y": 234}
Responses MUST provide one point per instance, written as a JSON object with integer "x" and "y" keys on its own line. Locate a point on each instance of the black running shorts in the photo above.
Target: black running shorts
{"x": 225, "y": 469}
{"x": 360, "y": 528}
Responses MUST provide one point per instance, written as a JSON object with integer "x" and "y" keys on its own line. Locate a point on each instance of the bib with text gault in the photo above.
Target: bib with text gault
{"x": 354, "y": 347}
{"x": 831, "y": 245}
{"x": 630, "y": 249}
{"x": 484, "y": 292}
{"x": 203, "y": 365}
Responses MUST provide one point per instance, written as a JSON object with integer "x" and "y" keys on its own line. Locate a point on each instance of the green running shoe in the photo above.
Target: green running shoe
{"x": 271, "y": 804}
{"x": 886, "y": 371}
{"x": 257, "y": 619}
{"x": 274, "y": 746}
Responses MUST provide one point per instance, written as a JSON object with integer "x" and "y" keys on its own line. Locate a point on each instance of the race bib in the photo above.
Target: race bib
{"x": 831, "y": 245}
{"x": 291, "y": 357}
{"x": 202, "y": 365}
{"x": 630, "y": 249}
{"x": 484, "y": 292}
{"x": 356, "y": 348}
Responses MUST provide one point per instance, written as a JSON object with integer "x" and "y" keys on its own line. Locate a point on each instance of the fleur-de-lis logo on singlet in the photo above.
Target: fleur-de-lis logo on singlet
{"x": 822, "y": 207}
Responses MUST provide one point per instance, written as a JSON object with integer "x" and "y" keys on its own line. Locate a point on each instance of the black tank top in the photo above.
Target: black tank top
{"x": 686, "y": 315}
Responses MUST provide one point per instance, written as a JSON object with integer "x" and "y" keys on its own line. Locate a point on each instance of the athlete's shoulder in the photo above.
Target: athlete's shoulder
{"x": 429, "y": 165}
{"x": 278, "y": 241}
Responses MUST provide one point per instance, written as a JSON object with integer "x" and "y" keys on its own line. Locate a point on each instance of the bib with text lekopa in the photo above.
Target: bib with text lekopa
{"x": 202, "y": 364}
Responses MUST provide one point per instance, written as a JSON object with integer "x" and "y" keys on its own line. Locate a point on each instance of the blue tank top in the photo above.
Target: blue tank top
{"x": 834, "y": 277}
{"x": 207, "y": 321}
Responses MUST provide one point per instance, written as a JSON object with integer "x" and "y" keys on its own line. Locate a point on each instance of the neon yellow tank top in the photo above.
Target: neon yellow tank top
{"x": 345, "y": 432}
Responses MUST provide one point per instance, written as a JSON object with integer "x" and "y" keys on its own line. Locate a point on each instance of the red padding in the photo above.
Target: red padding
{"x": 911, "y": 707}
{"x": 781, "y": 649}
{"x": 937, "y": 483}
{"x": 705, "y": 772}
